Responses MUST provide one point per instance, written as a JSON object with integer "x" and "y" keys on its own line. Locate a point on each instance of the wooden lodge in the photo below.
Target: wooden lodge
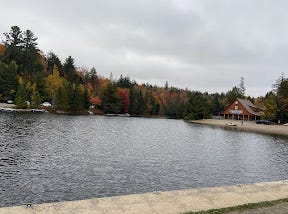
{"x": 241, "y": 109}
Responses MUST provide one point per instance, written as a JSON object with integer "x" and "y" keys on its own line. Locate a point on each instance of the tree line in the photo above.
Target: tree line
{"x": 27, "y": 74}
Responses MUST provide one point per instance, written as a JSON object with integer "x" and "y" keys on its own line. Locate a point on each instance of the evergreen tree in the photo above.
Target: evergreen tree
{"x": 52, "y": 59}
{"x": 197, "y": 106}
{"x": 35, "y": 99}
{"x": 110, "y": 99}
{"x": 21, "y": 97}
{"x": 124, "y": 82}
{"x": 233, "y": 94}
{"x": 31, "y": 63}
{"x": 216, "y": 107}
{"x": 282, "y": 95}
{"x": 14, "y": 44}
{"x": 8, "y": 81}
{"x": 86, "y": 99}
{"x": 132, "y": 99}
{"x": 69, "y": 71}
{"x": 62, "y": 97}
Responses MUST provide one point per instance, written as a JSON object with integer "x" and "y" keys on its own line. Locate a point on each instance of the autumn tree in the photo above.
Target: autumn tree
{"x": 53, "y": 83}
{"x": 124, "y": 100}
{"x": 155, "y": 104}
{"x": 174, "y": 105}
{"x": 2, "y": 50}
{"x": 270, "y": 106}
{"x": 35, "y": 97}
{"x": 96, "y": 101}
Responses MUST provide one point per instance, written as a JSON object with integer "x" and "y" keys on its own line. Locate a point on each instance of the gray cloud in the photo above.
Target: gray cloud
{"x": 204, "y": 45}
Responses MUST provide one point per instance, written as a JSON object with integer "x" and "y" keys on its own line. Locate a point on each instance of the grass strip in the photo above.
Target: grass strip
{"x": 241, "y": 208}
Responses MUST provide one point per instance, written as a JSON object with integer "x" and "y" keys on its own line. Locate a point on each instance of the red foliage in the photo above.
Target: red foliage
{"x": 95, "y": 101}
{"x": 124, "y": 99}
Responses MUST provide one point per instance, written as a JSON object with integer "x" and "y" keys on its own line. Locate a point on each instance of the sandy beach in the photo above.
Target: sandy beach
{"x": 249, "y": 126}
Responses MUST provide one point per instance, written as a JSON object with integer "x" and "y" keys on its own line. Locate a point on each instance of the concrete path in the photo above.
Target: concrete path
{"x": 170, "y": 202}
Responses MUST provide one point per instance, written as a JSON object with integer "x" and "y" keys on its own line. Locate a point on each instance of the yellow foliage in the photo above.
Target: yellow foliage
{"x": 53, "y": 82}
{"x": 20, "y": 80}
{"x": 33, "y": 87}
{"x": 28, "y": 86}
{"x": 81, "y": 88}
{"x": 157, "y": 101}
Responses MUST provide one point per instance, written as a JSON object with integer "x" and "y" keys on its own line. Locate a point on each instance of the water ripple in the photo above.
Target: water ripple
{"x": 46, "y": 158}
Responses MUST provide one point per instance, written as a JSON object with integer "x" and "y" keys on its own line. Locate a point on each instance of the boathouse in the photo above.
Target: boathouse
{"x": 241, "y": 109}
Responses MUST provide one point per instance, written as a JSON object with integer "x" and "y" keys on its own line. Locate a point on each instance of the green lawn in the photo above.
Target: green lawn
{"x": 241, "y": 207}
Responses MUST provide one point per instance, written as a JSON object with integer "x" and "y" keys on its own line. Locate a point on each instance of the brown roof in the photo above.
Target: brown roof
{"x": 247, "y": 104}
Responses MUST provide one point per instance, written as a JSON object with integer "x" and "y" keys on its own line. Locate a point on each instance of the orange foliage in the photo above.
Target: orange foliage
{"x": 173, "y": 97}
{"x": 156, "y": 100}
{"x": 95, "y": 101}
{"x": 2, "y": 49}
{"x": 89, "y": 87}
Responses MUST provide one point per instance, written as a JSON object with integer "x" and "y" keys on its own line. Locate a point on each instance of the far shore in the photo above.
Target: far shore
{"x": 248, "y": 126}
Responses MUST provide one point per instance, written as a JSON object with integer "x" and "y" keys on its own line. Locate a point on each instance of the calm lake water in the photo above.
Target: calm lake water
{"x": 46, "y": 157}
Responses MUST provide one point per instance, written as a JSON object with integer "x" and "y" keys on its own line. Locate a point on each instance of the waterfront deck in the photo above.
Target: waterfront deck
{"x": 170, "y": 202}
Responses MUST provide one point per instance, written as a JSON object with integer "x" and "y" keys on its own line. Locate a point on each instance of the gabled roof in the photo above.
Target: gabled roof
{"x": 247, "y": 104}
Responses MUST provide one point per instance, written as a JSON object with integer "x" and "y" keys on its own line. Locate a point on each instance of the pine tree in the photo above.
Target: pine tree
{"x": 35, "y": 99}
{"x": 8, "y": 81}
{"x": 111, "y": 100}
{"x": 20, "y": 98}
{"x": 52, "y": 59}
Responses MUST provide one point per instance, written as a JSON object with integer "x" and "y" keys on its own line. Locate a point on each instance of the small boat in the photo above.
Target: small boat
{"x": 230, "y": 124}
{"x": 38, "y": 110}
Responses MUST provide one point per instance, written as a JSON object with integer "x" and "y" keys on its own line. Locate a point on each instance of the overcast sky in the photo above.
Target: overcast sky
{"x": 204, "y": 45}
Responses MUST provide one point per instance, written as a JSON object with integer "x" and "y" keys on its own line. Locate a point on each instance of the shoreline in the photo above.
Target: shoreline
{"x": 168, "y": 202}
{"x": 247, "y": 126}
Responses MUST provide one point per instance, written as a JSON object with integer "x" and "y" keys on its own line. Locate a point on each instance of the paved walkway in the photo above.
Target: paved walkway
{"x": 275, "y": 209}
{"x": 170, "y": 202}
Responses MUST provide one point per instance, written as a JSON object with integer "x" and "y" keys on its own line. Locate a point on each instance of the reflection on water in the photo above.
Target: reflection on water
{"x": 45, "y": 158}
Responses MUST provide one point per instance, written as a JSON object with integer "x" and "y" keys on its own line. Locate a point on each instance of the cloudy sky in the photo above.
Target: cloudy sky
{"x": 204, "y": 45}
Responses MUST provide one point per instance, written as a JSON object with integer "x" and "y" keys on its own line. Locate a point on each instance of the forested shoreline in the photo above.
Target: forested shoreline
{"x": 27, "y": 74}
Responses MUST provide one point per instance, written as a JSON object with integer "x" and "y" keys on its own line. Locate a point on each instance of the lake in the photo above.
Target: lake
{"x": 47, "y": 157}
